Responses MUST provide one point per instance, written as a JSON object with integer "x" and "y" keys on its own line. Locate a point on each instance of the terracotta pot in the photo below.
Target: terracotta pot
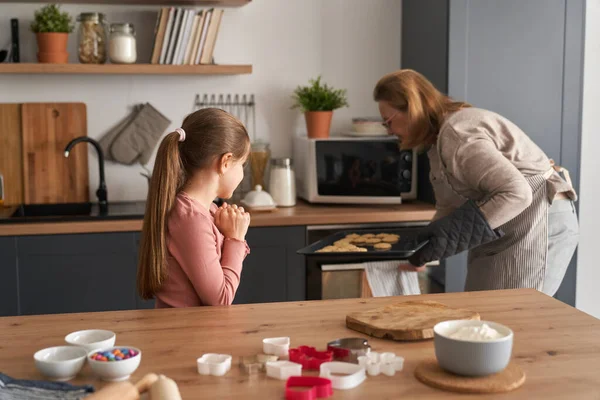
{"x": 52, "y": 48}
{"x": 318, "y": 123}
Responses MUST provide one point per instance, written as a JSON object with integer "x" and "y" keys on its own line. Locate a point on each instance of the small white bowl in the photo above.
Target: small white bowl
{"x": 472, "y": 357}
{"x": 115, "y": 371}
{"x": 60, "y": 363}
{"x": 92, "y": 339}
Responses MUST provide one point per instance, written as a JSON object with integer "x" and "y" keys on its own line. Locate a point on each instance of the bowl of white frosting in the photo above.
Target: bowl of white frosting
{"x": 472, "y": 348}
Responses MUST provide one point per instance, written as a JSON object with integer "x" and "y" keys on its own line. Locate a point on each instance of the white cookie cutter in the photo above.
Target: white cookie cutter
{"x": 278, "y": 346}
{"x": 283, "y": 369}
{"x": 386, "y": 363}
{"x": 354, "y": 374}
{"x": 214, "y": 364}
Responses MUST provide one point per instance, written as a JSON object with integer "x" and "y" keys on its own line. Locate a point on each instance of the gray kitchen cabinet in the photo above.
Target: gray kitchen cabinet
{"x": 522, "y": 59}
{"x": 9, "y": 300}
{"x": 139, "y": 302}
{"x": 273, "y": 271}
{"x": 76, "y": 273}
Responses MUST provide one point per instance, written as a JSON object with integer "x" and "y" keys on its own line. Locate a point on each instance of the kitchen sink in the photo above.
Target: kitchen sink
{"x": 52, "y": 210}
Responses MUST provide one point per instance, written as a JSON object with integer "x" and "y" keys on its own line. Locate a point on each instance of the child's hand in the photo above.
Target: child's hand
{"x": 232, "y": 221}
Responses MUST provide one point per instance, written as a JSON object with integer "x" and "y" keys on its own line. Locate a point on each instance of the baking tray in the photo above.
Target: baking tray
{"x": 401, "y": 250}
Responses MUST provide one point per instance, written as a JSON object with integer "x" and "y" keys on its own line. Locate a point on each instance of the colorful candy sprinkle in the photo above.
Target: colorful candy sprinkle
{"x": 114, "y": 355}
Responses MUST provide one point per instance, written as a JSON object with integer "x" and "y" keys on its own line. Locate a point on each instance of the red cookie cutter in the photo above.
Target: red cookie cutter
{"x": 320, "y": 388}
{"x": 309, "y": 357}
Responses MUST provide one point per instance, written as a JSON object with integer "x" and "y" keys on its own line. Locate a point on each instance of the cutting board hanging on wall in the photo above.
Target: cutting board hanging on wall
{"x": 50, "y": 177}
{"x": 410, "y": 320}
{"x": 11, "y": 158}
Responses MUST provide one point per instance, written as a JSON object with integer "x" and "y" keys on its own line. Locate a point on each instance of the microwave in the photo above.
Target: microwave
{"x": 354, "y": 170}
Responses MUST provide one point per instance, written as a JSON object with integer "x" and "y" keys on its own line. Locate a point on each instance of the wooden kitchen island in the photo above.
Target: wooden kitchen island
{"x": 556, "y": 345}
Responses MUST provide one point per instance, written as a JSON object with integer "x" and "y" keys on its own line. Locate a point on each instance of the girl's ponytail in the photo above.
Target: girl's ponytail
{"x": 167, "y": 179}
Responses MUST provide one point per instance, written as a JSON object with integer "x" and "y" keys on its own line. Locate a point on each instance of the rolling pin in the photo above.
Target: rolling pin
{"x": 160, "y": 388}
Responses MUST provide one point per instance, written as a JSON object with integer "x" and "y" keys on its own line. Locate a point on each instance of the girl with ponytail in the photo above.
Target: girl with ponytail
{"x": 191, "y": 252}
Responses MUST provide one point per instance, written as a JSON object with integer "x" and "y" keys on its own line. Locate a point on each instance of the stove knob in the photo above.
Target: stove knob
{"x": 408, "y": 157}
{"x": 406, "y": 174}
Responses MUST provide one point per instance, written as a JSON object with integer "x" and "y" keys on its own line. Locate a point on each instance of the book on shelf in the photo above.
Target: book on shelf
{"x": 185, "y": 37}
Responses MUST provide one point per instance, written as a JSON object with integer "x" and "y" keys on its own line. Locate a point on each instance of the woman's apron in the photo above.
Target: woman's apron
{"x": 518, "y": 259}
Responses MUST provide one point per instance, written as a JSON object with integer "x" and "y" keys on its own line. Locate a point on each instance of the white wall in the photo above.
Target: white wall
{"x": 288, "y": 42}
{"x": 588, "y": 270}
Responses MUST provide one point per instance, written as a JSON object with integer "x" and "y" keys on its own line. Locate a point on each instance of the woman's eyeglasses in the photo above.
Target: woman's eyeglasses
{"x": 386, "y": 123}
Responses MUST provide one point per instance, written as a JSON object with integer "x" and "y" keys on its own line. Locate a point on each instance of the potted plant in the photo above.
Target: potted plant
{"x": 318, "y": 101}
{"x": 52, "y": 28}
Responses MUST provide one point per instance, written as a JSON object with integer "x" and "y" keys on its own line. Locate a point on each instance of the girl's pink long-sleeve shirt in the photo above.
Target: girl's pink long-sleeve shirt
{"x": 204, "y": 267}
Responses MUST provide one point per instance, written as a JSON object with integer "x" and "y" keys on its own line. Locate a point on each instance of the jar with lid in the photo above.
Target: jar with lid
{"x": 92, "y": 38}
{"x": 122, "y": 44}
{"x": 282, "y": 182}
{"x": 259, "y": 158}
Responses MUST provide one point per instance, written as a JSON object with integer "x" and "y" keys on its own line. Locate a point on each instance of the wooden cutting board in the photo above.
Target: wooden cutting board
{"x": 48, "y": 176}
{"x": 410, "y": 320}
{"x": 11, "y": 158}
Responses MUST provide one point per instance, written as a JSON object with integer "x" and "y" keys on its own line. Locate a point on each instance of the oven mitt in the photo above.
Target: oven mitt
{"x": 15, "y": 389}
{"x": 464, "y": 229}
{"x": 133, "y": 139}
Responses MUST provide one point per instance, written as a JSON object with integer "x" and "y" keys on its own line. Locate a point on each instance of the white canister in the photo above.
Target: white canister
{"x": 282, "y": 182}
{"x": 122, "y": 44}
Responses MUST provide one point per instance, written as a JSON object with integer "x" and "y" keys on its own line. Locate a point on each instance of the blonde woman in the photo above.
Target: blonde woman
{"x": 497, "y": 193}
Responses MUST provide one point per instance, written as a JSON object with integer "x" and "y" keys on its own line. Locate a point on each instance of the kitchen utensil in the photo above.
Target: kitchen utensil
{"x": 319, "y": 388}
{"x": 386, "y": 363}
{"x": 91, "y": 339}
{"x": 255, "y": 364}
{"x": 431, "y": 374}
{"x": 60, "y": 363}
{"x": 49, "y": 177}
{"x": 402, "y": 249}
{"x": 343, "y": 375}
{"x": 118, "y": 370}
{"x": 11, "y": 153}
{"x": 258, "y": 200}
{"x": 309, "y": 357}
{"x": 472, "y": 357}
{"x": 283, "y": 369}
{"x": 278, "y": 346}
{"x": 349, "y": 349}
{"x": 214, "y": 364}
{"x": 162, "y": 389}
{"x": 282, "y": 182}
{"x": 410, "y": 320}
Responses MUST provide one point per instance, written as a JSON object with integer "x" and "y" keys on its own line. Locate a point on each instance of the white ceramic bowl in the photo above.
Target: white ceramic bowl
{"x": 92, "y": 339}
{"x": 60, "y": 363}
{"x": 472, "y": 357}
{"x": 115, "y": 371}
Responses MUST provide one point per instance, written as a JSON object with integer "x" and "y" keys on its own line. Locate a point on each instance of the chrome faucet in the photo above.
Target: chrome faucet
{"x": 101, "y": 192}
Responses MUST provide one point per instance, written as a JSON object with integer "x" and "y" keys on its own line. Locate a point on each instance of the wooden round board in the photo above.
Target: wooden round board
{"x": 410, "y": 320}
{"x": 431, "y": 374}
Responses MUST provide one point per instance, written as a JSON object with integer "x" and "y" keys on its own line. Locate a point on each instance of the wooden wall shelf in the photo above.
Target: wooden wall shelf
{"x": 119, "y": 69}
{"x": 216, "y": 3}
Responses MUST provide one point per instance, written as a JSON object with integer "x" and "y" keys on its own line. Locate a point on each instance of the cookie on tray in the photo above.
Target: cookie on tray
{"x": 381, "y": 235}
{"x": 373, "y": 240}
{"x": 390, "y": 239}
{"x": 359, "y": 240}
{"x": 342, "y": 243}
{"x": 368, "y": 235}
{"x": 382, "y": 246}
{"x": 352, "y": 236}
{"x": 326, "y": 249}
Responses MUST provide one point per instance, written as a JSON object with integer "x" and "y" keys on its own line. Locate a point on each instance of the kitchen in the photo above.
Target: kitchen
{"x": 313, "y": 39}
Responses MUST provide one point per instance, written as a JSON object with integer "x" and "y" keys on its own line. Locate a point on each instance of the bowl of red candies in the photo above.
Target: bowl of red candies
{"x": 115, "y": 364}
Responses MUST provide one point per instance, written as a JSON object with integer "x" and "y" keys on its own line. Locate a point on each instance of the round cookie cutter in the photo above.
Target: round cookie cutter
{"x": 349, "y": 349}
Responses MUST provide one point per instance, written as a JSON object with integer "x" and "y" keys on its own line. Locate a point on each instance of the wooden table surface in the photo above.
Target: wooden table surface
{"x": 302, "y": 214}
{"x": 557, "y": 346}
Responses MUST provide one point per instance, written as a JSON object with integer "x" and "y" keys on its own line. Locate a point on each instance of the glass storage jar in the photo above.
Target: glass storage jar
{"x": 92, "y": 38}
{"x": 122, "y": 44}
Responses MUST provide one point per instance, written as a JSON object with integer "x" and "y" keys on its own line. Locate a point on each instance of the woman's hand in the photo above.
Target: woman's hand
{"x": 232, "y": 221}
{"x": 412, "y": 268}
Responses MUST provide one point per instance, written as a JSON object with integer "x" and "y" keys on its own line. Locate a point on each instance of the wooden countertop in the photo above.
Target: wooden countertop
{"x": 556, "y": 345}
{"x": 302, "y": 214}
